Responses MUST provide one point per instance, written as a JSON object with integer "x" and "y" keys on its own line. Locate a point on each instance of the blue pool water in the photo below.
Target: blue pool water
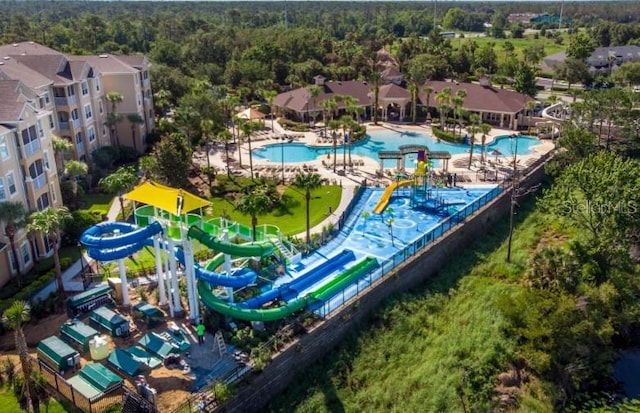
{"x": 388, "y": 141}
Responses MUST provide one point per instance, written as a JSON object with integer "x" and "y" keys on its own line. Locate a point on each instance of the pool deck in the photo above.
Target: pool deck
{"x": 366, "y": 168}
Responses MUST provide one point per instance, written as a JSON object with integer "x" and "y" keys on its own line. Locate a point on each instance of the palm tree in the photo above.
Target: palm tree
{"x": 73, "y": 170}
{"x": 134, "y": 119}
{"x": 314, "y": 91}
{"x": 51, "y": 222}
{"x": 120, "y": 182}
{"x": 270, "y": 95}
{"x": 13, "y": 214}
{"x": 413, "y": 88}
{"x": 443, "y": 98}
{"x": 162, "y": 102}
{"x": 60, "y": 147}
{"x": 461, "y": 94}
{"x": 225, "y": 136}
{"x": 330, "y": 106}
{"x": 530, "y": 106}
{"x": 113, "y": 117}
{"x": 206, "y": 126}
{"x": 473, "y": 129}
{"x": 484, "y": 129}
{"x": 375, "y": 78}
{"x": 334, "y": 125}
{"x": 428, "y": 90}
{"x": 13, "y": 318}
{"x": 247, "y": 130}
{"x": 256, "y": 201}
{"x": 308, "y": 182}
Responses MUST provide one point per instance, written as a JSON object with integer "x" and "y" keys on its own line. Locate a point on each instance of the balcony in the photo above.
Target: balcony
{"x": 80, "y": 148}
{"x": 64, "y": 125}
{"x": 145, "y": 82}
{"x": 76, "y": 123}
{"x": 31, "y": 148}
{"x": 65, "y": 101}
{"x": 38, "y": 182}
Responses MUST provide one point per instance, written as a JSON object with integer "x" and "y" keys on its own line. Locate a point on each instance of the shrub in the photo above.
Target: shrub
{"x": 8, "y": 369}
{"x": 82, "y": 219}
{"x": 294, "y": 126}
{"x": 447, "y": 136}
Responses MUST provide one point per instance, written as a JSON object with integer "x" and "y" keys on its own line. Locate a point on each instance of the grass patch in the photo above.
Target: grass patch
{"x": 550, "y": 47}
{"x": 9, "y": 403}
{"x": 290, "y": 217}
{"x": 434, "y": 349}
{"x": 98, "y": 202}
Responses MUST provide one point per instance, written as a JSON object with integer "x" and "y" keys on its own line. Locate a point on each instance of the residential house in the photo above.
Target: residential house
{"x": 603, "y": 60}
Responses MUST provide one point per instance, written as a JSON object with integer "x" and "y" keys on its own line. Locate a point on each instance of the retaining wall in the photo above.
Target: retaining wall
{"x": 284, "y": 367}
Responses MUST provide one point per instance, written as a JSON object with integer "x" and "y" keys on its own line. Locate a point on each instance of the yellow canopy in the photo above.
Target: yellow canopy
{"x": 166, "y": 198}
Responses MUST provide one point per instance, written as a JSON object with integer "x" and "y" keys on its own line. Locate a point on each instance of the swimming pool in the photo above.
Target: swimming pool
{"x": 389, "y": 141}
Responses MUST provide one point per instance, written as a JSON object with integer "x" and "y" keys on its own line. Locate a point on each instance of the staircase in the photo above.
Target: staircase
{"x": 291, "y": 258}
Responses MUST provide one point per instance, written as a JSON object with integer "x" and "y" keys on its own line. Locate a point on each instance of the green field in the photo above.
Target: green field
{"x": 290, "y": 216}
{"x": 550, "y": 47}
{"x": 98, "y": 202}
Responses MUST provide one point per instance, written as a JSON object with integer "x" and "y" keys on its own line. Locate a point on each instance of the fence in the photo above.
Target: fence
{"x": 207, "y": 400}
{"x": 113, "y": 396}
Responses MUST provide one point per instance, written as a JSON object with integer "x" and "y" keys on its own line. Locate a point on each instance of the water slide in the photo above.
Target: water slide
{"x": 240, "y": 278}
{"x": 249, "y": 249}
{"x": 102, "y": 245}
{"x": 271, "y": 314}
{"x": 386, "y": 195}
{"x": 291, "y": 290}
{"x": 343, "y": 280}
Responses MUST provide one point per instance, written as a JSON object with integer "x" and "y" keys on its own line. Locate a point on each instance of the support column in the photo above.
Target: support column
{"x": 227, "y": 265}
{"x": 189, "y": 265}
{"x": 167, "y": 278}
{"x": 174, "y": 276}
{"x": 381, "y": 166}
{"x": 159, "y": 272}
{"x": 502, "y": 120}
{"x": 122, "y": 269}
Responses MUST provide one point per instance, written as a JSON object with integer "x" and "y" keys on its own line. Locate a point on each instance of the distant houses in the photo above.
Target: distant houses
{"x": 603, "y": 60}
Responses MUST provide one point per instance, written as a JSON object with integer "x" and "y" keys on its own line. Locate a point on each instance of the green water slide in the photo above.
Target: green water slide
{"x": 247, "y": 314}
{"x": 343, "y": 280}
{"x": 253, "y": 249}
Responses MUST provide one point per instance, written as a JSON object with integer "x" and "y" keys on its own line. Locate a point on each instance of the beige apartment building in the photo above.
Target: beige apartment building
{"x": 45, "y": 93}
{"x": 27, "y": 172}
{"x": 77, "y": 89}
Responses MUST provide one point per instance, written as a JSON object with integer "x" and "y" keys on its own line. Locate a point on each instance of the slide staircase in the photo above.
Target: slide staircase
{"x": 290, "y": 256}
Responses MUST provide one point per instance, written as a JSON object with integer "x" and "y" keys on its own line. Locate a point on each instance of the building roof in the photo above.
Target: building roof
{"x": 106, "y": 63}
{"x": 26, "y": 48}
{"x": 138, "y": 61}
{"x": 301, "y": 100}
{"x": 391, "y": 92}
{"x": 600, "y": 56}
{"x": 10, "y": 105}
{"x": 11, "y": 69}
{"x": 479, "y": 98}
{"x": 53, "y": 66}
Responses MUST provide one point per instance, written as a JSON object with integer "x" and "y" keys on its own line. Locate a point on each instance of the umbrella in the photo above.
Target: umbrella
{"x": 250, "y": 114}
{"x": 496, "y": 153}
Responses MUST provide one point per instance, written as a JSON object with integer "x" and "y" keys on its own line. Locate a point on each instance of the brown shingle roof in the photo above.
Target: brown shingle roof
{"x": 392, "y": 91}
{"x": 10, "y": 107}
{"x": 53, "y": 66}
{"x": 26, "y": 48}
{"x": 479, "y": 98}
{"x": 105, "y": 63}
{"x": 11, "y": 69}
{"x": 301, "y": 100}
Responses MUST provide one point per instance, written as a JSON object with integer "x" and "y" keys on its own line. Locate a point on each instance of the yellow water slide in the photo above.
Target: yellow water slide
{"x": 384, "y": 199}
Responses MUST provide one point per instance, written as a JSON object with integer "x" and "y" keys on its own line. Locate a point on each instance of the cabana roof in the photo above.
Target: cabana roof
{"x": 166, "y": 198}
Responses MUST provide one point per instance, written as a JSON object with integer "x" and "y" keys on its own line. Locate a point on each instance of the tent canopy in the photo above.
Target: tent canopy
{"x": 166, "y": 198}
{"x": 250, "y": 114}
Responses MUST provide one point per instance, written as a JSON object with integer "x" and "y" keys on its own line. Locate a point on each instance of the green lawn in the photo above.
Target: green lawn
{"x": 291, "y": 216}
{"x": 98, "y": 202}
{"x": 550, "y": 47}
{"x": 9, "y": 403}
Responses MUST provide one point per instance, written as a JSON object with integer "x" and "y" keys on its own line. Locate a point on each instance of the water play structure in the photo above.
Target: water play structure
{"x": 167, "y": 223}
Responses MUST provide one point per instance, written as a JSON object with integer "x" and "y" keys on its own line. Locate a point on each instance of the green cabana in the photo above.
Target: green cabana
{"x": 109, "y": 321}
{"x": 156, "y": 345}
{"x": 58, "y": 355}
{"x": 78, "y": 334}
{"x": 152, "y": 315}
{"x": 125, "y": 363}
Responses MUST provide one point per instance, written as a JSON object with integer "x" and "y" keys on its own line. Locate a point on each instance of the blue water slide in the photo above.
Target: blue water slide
{"x": 291, "y": 290}
{"x": 102, "y": 245}
{"x": 239, "y": 278}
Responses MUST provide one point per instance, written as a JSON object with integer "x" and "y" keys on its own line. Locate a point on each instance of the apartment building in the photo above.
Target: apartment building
{"x": 27, "y": 172}
{"x": 79, "y": 89}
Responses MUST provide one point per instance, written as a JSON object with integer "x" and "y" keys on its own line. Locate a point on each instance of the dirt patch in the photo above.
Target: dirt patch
{"x": 35, "y": 331}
